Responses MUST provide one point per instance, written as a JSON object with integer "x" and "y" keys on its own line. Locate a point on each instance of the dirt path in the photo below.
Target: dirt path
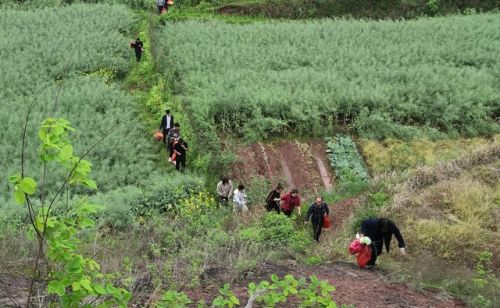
{"x": 301, "y": 165}
{"x": 354, "y": 286}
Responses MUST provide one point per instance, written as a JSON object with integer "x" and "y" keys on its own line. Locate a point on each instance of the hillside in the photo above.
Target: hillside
{"x": 387, "y": 118}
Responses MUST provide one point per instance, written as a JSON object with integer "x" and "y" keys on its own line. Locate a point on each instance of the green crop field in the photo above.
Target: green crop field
{"x": 381, "y": 79}
{"x": 50, "y": 57}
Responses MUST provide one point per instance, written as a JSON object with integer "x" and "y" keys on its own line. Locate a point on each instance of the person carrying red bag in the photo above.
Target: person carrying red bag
{"x": 317, "y": 211}
{"x": 380, "y": 231}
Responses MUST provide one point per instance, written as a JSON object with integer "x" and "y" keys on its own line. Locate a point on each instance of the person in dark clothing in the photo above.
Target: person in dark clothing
{"x": 167, "y": 122}
{"x": 273, "y": 199}
{"x": 173, "y": 133}
{"x": 161, "y": 4}
{"x": 138, "y": 47}
{"x": 180, "y": 149}
{"x": 380, "y": 231}
{"x": 316, "y": 212}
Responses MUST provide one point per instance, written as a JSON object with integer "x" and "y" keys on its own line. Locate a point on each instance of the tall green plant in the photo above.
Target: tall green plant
{"x": 71, "y": 276}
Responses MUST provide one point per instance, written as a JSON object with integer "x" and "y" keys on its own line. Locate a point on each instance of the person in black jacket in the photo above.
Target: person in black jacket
{"x": 380, "y": 231}
{"x": 180, "y": 149}
{"x": 167, "y": 122}
{"x": 138, "y": 47}
{"x": 273, "y": 199}
{"x": 317, "y": 211}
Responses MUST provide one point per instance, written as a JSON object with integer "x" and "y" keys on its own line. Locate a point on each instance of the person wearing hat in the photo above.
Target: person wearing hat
{"x": 167, "y": 122}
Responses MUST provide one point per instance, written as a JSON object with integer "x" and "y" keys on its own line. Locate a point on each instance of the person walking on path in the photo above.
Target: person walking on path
{"x": 380, "y": 231}
{"x": 240, "y": 200}
{"x": 139, "y": 48}
{"x": 173, "y": 133}
{"x": 224, "y": 191}
{"x": 180, "y": 149}
{"x": 161, "y": 4}
{"x": 167, "y": 122}
{"x": 316, "y": 212}
{"x": 290, "y": 201}
{"x": 273, "y": 199}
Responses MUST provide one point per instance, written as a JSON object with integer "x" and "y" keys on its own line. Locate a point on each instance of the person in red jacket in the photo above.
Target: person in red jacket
{"x": 290, "y": 201}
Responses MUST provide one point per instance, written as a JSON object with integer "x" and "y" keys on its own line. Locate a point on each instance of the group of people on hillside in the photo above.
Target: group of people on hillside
{"x": 175, "y": 145}
{"x": 379, "y": 230}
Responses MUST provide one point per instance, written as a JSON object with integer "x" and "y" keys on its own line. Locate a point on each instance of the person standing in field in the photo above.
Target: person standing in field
{"x": 380, "y": 231}
{"x": 273, "y": 199}
{"x": 173, "y": 133}
{"x": 180, "y": 149}
{"x": 167, "y": 122}
{"x": 161, "y": 4}
{"x": 139, "y": 48}
{"x": 290, "y": 201}
{"x": 224, "y": 190}
{"x": 240, "y": 200}
{"x": 316, "y": 212}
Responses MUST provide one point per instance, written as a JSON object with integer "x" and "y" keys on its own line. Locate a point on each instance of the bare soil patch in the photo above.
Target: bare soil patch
{"x": 303, "y": 165}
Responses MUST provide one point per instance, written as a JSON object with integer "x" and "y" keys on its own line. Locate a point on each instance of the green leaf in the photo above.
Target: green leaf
{"x": 75, "y": 286}
{"x": 15, "y": 179}
{"x": 19, "y": 197}
{"x": 85, "y": 283}
{"x": 99, "y": 289}
{"x": 28, "y": 185}
{"x": 235, "y": 300}
{"x": 56, "y": 287}
{"x": 90, "y": 184}
{"x": 274, "y": 278}
{"x": 66, "y": 152}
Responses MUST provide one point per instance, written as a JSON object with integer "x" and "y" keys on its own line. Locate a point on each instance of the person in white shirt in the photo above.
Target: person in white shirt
{"x": 224, "y": 191}
{"x": 167, "y": 122}
{"x": 240, "y": 200}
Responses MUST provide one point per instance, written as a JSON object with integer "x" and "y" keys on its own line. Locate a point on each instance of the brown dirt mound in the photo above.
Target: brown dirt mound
{"x": 303, "y": 165}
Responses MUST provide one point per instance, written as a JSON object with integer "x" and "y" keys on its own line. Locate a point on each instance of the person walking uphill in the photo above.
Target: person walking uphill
{"x": 290, "y": 201}
{"x": 240, "y": 200}
{"x": 139, "y": 48}
{"x": 224, "y": 190}
{"x": 173, "y": 133}
{"x": 167, "y": 122}
{"x": 273, "y": 199}
{"x": 180, "y": 149}
{"x": 161, "y": 4}
{"x": 316, "y": 212}
{"x": 380, "y": 231}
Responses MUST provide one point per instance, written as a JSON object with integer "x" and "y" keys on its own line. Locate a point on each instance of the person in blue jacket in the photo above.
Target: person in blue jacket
{"x": 380, "y": 231}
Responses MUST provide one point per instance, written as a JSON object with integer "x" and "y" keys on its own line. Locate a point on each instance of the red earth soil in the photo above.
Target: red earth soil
{"x": 301, "y": 165}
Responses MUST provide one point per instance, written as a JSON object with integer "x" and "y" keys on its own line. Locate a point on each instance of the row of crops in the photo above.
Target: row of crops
{"x": 62, "y": 60}
{"x": 380, "y": 79}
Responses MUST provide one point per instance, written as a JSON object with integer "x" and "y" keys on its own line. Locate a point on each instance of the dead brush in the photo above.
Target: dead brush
{"x": 426, "y": 176}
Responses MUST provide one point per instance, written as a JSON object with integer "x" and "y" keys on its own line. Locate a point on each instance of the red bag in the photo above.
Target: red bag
{"x": 364, "y": 256}
{"x": 326, "y": 222}
{"x": 170, "y": 2}
{"x": 158, "y": 136}
{"x": 132, "y": 44}
{"x": 355, "y": 247}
